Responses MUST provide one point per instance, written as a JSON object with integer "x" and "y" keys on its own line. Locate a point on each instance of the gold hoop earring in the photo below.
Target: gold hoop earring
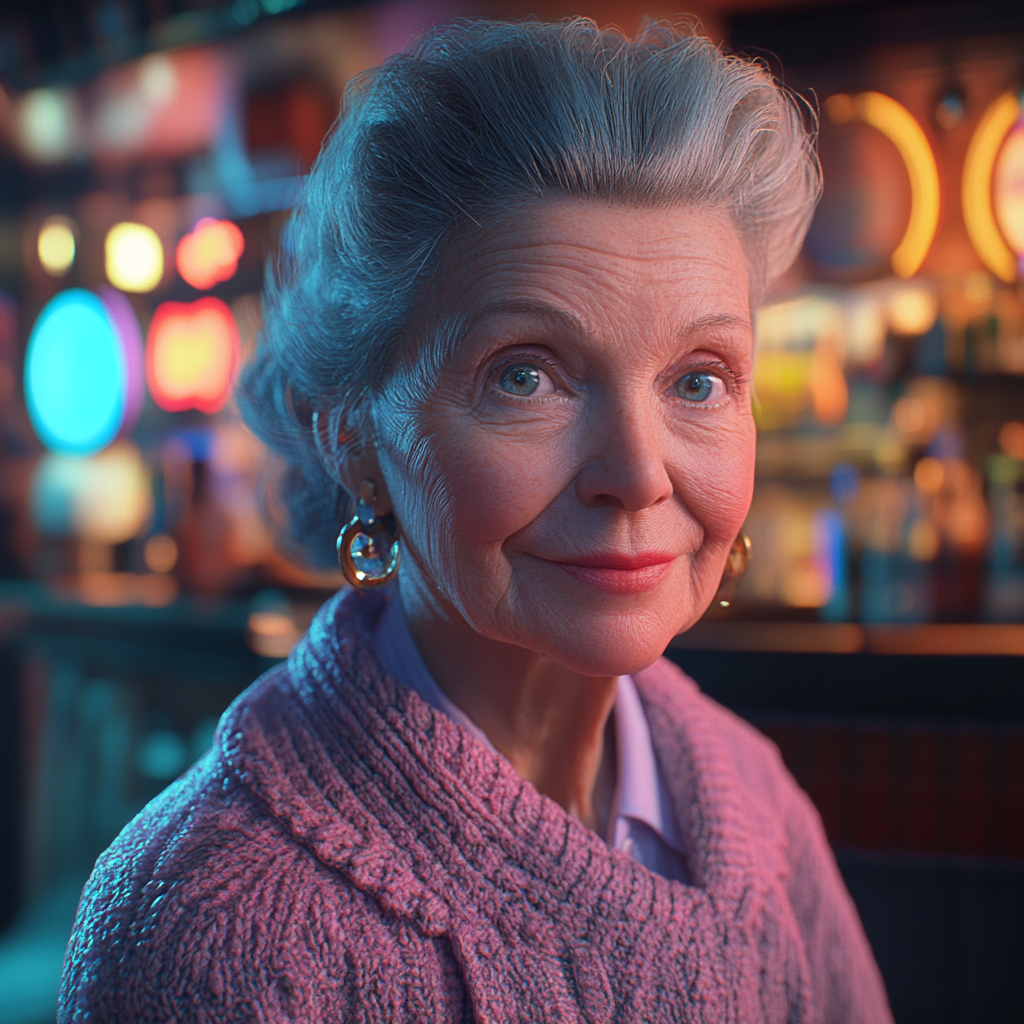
{"x": 367, "y": 550}
{"x": 736, "y": 563}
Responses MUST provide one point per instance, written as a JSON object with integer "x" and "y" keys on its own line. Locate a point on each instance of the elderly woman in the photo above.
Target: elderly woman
{"x": 508, "y": 353}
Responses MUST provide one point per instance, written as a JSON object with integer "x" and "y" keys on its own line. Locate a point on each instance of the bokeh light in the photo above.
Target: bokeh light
{"x": 162, "y": 755}
{"x": 1008, "y": 189}
{"x": 923, "y": 540}
{"x": 1011, "y": 439}
{"x": 929, "y": 475}
{"x": 830, "y": 394}
{"x": 160, "y": 553}
{"x": 128, "y": 100}
{"x": 865, "y": 326}
{"x": 976, "y": 195}
{"x": 800, "y": 345}
{"x": 134, "y": 257}
{"x": 912, "y": 310}
{"x": 901, "y": 128}
{"x": 45, "y": 125}
{"x": 56, "y": 245}
{"x": 75, "y": 374}
{"x": 192, "y": 353}
{"x": 272, "y": 634}
{"x": 929, "y": 404}
{"x": 167, "y": 104}
{"x": 209, "y": 253}
{"x": 106, "y": 498}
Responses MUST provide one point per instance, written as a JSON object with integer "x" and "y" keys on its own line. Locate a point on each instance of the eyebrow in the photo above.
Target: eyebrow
{"x": 711, "y": 320}
{"x": 542, "y": 309}
{"x": 573, "y": 322}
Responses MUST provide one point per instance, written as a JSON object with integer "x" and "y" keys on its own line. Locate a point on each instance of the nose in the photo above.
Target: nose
{"x": 625, "y": 467}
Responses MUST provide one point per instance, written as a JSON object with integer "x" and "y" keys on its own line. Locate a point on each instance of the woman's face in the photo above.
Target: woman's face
{"x": 567, "y": 445}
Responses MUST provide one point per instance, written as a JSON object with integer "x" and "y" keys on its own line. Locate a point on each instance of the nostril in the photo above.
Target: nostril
{"x": 607, "y": 501}
{"x": 629, "y": 481}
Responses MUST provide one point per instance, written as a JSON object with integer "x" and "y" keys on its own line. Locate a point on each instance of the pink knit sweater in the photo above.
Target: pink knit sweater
{"x": 346, "y": 853}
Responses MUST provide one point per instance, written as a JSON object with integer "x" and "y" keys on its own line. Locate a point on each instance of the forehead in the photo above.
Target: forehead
{"x": 605, "y": 265}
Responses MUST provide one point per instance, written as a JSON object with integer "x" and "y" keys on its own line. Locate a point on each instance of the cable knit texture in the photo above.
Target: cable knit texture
{"x": 346, "y": 853}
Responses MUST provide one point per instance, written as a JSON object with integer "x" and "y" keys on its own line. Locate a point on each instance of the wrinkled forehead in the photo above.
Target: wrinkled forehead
{"x": 596, "y": 268}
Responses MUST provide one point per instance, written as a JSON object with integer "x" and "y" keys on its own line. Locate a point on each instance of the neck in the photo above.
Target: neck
{"x": 552, "y": 724}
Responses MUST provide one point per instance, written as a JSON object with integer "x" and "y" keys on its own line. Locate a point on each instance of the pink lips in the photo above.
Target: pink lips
{"x": 619, "y": 574}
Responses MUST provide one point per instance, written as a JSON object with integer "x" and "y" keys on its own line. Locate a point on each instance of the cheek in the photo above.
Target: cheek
{"x": 461, "y": 488}
{"x": 716, "y": 480}
{"x": 497, "y": 487}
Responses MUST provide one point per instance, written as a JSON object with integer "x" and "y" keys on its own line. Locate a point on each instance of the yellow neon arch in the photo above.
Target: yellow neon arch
{"x": 979, "y": 165}
{"x": 900, "y": 127}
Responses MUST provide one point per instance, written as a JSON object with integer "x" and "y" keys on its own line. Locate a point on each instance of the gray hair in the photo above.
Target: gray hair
{"x": 470, "y": 121}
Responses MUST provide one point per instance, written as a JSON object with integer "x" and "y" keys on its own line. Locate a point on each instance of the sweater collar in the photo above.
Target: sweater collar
{"x": 385, "y": 788}
{"x": 640, "y": 790}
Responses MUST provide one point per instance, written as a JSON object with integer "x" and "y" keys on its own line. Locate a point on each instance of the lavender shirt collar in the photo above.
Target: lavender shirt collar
{"x": 642, "y": 825}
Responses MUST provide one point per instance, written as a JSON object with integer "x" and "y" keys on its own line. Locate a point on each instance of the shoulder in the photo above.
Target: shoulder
{"x": 220, "y": 902}
{"x": 164, "y": 916}
{"x": 205, "y": 909}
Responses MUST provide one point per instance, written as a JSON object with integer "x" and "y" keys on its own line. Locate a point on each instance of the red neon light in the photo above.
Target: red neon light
{"x": 192, "y": 353}
{"x": 209, "y": 253}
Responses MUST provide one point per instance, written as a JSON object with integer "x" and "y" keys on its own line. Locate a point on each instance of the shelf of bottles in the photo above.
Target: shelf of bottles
{"x": 890, "y": 380}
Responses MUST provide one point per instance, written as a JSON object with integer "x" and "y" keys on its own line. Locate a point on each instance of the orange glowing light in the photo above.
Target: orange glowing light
{"x": 929, "y": 475}
{"x": 1008, "y": 189}
{"x": 898, "y": 125}
{"x": 192, "y": 353}
{"x": 1011, "y": 439}
{"x": 979, "y": 167}
{"x": 830, "y": 396}
{"x": 209, "y": 253}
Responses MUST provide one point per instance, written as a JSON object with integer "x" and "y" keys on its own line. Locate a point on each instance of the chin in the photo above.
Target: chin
{"x": 609, "y": 645}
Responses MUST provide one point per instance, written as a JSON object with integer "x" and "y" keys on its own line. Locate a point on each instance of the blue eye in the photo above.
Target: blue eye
{"x": 699, "y": 386}
{"x": 521, "y": 379}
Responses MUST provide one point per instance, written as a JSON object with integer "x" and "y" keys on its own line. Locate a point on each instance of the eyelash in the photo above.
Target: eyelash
{"x": 733, "y": 380}
{"x": 494, "y": 374}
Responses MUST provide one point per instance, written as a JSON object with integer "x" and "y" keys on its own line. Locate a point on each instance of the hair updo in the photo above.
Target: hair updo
{"x": 467, "y": 123}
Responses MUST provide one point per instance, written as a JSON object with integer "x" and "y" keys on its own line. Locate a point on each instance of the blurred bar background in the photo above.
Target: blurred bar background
{"x": 150, "y": 151}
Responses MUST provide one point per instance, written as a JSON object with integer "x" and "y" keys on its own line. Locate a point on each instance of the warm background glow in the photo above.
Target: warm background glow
{"x": 898, "y": 125}
{"x": 105, "y": 499}
{"x": 56, "y": 245}
{"x": 209, "y": 253}
{"x": 1008, "y": 189}
{"x": 191, "y": 355}
{"x": 979, "y": 164}
{"x": 134, "y": 257}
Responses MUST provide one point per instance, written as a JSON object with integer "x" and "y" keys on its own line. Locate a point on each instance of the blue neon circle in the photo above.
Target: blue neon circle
{"x": 75, "y": 375}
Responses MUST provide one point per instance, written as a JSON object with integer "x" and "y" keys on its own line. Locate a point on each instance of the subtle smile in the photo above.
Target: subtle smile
{"x": 618, "y": 574}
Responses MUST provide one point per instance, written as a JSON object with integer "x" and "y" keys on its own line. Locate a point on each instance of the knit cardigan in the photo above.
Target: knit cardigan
{"x": 347, "y": 853}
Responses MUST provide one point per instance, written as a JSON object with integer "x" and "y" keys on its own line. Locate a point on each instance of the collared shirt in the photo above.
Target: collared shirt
{"x": 642, "y": 823}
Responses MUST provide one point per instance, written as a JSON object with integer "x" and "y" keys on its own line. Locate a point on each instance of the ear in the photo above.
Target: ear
{"x": 360, "y": 466}
{"x": 356, "y": 463}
